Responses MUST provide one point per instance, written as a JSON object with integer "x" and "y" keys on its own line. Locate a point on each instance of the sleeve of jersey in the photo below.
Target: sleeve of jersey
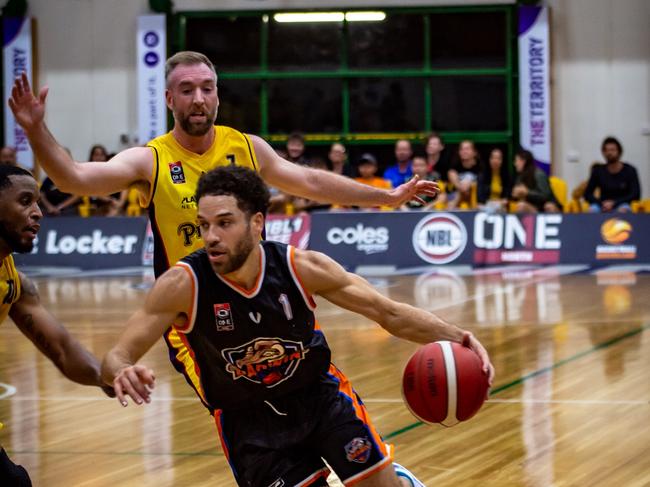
{"x": 309, "y": 300}
{"x": 145, "y": 199}
{"x": 191, "y": 315}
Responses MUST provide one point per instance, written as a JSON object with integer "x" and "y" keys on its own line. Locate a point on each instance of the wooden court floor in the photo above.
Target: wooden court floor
{"x": 570, "y": 406}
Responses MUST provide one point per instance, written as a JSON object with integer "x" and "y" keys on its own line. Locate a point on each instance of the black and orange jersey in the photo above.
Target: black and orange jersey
{"x": 240, "y": 347}
{"x": 9, "y": 286}
{"x": 174, "y": 177}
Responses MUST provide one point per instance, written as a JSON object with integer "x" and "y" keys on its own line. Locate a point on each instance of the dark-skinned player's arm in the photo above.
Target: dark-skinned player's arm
{"x": 132, "y": 166}
{"x": 169, "y": 301}
{"x": 328, "y": 187}
{"x": 53, "y": 340}
{"x": 323, "y": 276}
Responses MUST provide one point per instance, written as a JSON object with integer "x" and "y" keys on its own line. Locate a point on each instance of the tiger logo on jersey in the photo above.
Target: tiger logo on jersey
{"x": 266, "y": 361}
{"x": 358, "y": 450}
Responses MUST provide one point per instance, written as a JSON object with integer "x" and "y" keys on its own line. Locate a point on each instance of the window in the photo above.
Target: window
{"x": 367, "y": 83}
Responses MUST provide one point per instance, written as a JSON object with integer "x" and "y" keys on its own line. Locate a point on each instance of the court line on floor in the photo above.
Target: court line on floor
{"x": 543, "y": 370}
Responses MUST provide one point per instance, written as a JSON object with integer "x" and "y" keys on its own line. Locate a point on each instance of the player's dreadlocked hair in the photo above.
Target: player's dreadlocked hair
{"x": 244, "y": 185}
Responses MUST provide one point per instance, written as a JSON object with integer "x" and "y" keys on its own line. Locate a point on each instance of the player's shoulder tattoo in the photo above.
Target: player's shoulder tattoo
{"x": 28, "y": 287}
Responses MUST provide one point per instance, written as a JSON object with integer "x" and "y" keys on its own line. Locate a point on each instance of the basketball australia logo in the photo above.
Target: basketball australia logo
{"x": 439, "y": 239}
{"x": 266, "y": 361}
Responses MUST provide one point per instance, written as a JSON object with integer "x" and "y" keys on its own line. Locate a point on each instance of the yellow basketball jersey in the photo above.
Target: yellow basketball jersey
{"x": 175, "y": 174}
{"x": 9, "y": 286}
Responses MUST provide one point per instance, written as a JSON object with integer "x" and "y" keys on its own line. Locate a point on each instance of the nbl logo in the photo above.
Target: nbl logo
{"x": 439, "y": 238}
{"x": 176, "y": 172}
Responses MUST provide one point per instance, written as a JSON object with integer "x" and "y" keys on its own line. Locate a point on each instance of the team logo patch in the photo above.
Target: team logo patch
{"x": 223, "y": 317}
{"x": 266, "y": 361}
{"x": 176, "y": 172}
{"x": 358, "y": 450}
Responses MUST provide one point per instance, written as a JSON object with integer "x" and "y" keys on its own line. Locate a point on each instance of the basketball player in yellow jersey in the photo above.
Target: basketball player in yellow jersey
{"x": 19, "y": 223}
{"x": 193, "y": 146}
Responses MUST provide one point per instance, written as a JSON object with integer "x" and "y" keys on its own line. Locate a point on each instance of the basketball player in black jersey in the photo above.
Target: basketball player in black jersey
{"x": 244, "y": 309}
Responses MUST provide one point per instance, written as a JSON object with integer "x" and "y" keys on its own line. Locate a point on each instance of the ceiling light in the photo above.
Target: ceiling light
{"x": 368, "y": 16}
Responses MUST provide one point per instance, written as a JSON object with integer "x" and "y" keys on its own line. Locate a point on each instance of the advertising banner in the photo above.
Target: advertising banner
{"x": 152, "y": 53}
{"x": 416, "y": 239}
{"x": 87, "y": 243}
{"x": 17, "y": 58}
{"x": 534, "y": 84}
{"x": 293, "y": 230}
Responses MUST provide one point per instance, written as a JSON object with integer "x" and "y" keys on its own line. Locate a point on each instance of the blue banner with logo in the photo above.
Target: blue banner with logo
{"x": 412, "y": 240}
{"x": 152, "y": 53}
{"x": 88, "y": 243}
{"x": 534, "y": 84}
{"x": 17, "y": 59}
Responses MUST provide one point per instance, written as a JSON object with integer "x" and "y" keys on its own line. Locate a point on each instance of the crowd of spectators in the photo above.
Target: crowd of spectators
{"x": 466, "y": 181}
{"x": 469, "y": 182}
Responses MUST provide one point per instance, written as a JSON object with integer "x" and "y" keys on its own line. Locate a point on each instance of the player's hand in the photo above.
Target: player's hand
{"x": 136, "y": 381}
{"x": 608, "y": 205}
{"x": 28, "y": 110}
{"x": 473, "y": 344}
{"x": 410, "y": 190}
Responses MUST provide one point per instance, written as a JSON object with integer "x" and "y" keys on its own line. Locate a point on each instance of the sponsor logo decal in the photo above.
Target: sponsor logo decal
{"x": 370, "y": 240}
{"x": 358, "y": 450}
{"x": 278, "y": 483}
{"x": 511, "y": 239}
{"x": 439, "y": 239}
{"x": 176, "y": 172}
{"x": 223, "y": 317}
{"x": 615, "y": 232}
{"x": 266, "y": 361}
{"x": 94, "y": 244}
{"x": 189, "y": 231}
{"x": 188, "y": 202}
{"x": 255, "y": 317}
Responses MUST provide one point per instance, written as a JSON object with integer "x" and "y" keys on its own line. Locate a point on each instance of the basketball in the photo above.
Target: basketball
{"x": 443, "y": 383}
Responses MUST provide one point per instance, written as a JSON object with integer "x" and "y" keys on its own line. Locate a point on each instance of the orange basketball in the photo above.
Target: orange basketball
{"x": 443, "y": 383}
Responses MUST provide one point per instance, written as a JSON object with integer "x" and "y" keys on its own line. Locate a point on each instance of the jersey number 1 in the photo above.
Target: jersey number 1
{"x": 286, "y": 306}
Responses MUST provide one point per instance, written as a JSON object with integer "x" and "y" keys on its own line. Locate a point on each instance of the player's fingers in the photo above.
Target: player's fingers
{"x": 17, "y": 90}
{"x": 130, "y": 390}
{"x": 418, "y": 199}
{"x": 135, "y": 383}
{"x": 119, "y": 393}
{"x": 25, "y": 82}
{"x": 146, "y": 376}
{"x": 43, "y": 94}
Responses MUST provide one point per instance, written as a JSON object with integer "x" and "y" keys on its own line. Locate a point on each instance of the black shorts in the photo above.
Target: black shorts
{"x": 282, "y": 443}
{"x": 12, "y": 475}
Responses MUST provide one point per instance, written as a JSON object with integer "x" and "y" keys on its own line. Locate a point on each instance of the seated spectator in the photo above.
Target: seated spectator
{"x": 57, "y": 203}
{"x": 304, "y": 204}
{"x": 617, "y": 181}
{"x": 401, "y": 171}
{"x": 531, "y": 189}
{"x": 436, "y": 160}
{"x": 420, "y": 169}
{"x": 8, "y": 156}
{"x": 462, "y": 174}
{"x": 296, "y": 149}
{"x": 112, "y": 205}
{"x": 337, "y": 160}
{"x": 367, "y": 168}
{"x": 494, "y": 183}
